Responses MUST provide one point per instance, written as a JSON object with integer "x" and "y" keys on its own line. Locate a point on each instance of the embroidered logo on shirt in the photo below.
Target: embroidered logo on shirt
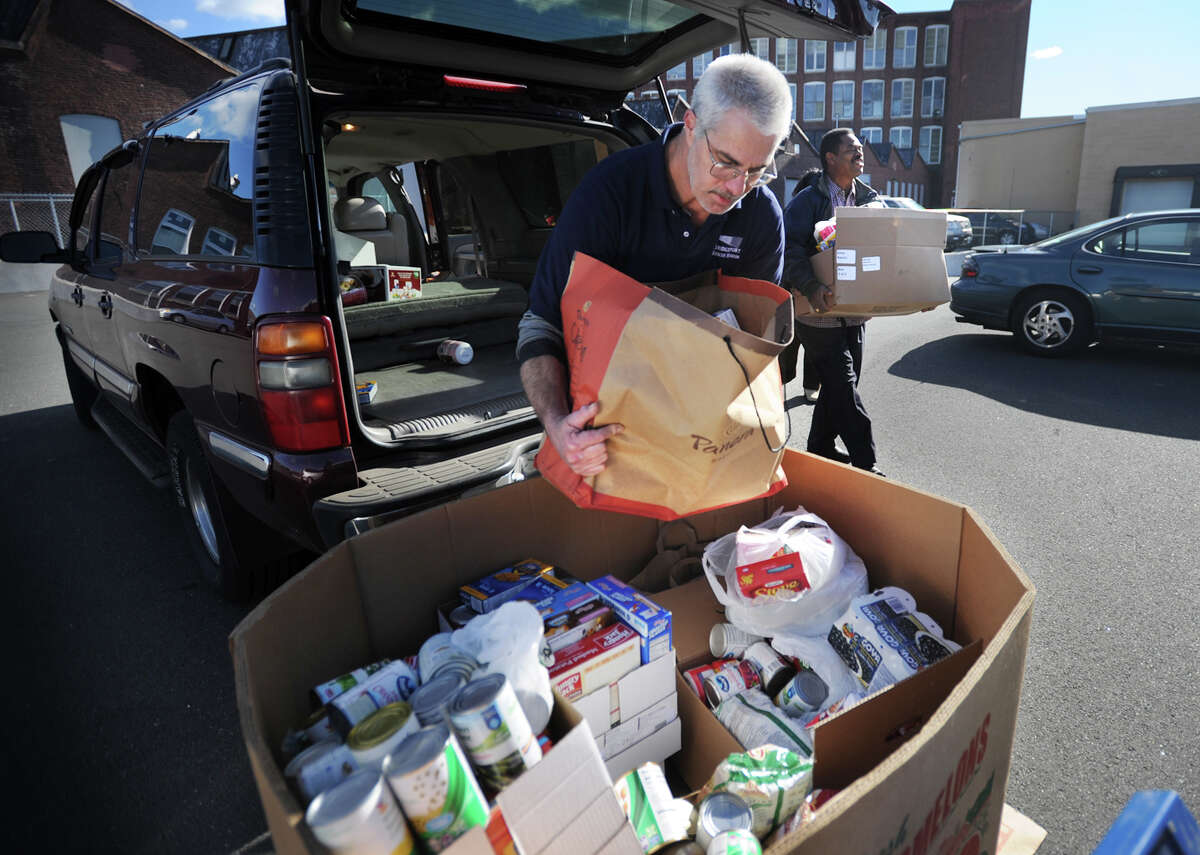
{"x": 728, "y": 247}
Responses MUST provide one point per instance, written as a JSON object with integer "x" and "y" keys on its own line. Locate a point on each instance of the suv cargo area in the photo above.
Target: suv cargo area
{"x": 469, "y": 204}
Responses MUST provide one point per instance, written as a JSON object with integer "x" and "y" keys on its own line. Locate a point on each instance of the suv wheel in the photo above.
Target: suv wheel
{"x": 83, "y": 393}
{"x": 1008, "y": 238}
{"x": 207, "y": 513}
{"x": 1052, "y": 323}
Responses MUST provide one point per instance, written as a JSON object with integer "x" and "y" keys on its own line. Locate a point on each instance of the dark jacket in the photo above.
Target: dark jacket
{"x": 807, "y": 208}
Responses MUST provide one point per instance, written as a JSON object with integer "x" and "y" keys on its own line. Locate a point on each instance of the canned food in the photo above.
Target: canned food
{"x": 359, "y": 816}
{"x": 439, "y": 656}
{"x": 392, "y": 683}
{"x": 377, "y": 735}
{"x": 729, "y": 680}
{"x": 318, "y": 728}
{"x": 435, "y": 787}
{"x": 493, "y": 730}
{"x": 329, "y": 690}
{"x": 658, "y": 820}
{"x": 721, "y": 811}
{"x": 457, "y": 352}
{"x": 804, "y": 693}
{"x": 319, "y": 767}
{"x": 696, "y": 676}
{"x": 429, "y": 702}
{"x": 725, "y": 639}
{"x": 773, "y": 672}
{"x": 735, "y": 842}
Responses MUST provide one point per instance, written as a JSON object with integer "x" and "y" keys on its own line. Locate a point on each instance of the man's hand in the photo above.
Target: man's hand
{"x": 581, "y": 447}
{"x": 823, "y": 299}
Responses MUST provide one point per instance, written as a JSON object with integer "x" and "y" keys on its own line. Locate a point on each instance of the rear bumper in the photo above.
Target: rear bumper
{"x": 388, "y": 493}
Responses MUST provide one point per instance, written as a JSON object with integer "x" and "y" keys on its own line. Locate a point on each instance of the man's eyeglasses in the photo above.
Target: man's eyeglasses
{"x": 728, "y": 172}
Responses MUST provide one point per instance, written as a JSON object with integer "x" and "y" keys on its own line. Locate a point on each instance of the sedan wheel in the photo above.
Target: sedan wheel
{"x": 1052, "y": 324}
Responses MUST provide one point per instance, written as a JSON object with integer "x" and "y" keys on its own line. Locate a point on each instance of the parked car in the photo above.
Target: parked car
{"x": 199, "y": 305}
{"x": 1004, "y": 228}
{"x": 1136, "y": 276}
{"x": 958, "y": 228}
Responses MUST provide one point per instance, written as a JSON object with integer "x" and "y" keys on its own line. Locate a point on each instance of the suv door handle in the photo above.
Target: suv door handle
{"x": 77, "y": 296}
{"x": 106, "y": 305}
{"x": 1090, "y": 269}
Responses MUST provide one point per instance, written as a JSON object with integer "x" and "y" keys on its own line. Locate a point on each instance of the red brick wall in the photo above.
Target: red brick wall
{"x": 87, "y": 56}
{"x": 988, "y": 43}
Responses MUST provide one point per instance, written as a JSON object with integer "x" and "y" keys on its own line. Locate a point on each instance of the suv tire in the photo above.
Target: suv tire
{"x": 209, "y": 515}
{"x": 83, "y": 393}
{"x": 1052, "y": 323}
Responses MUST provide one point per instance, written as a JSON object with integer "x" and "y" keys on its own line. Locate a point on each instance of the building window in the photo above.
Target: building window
{"x": 785, "y": 55}
{"x": 843, "y": 56}
{"x": 792, "y": 89}
{"x": 902, "y": 98}
{"x": 933, "y": 97}
{"x": 937, "y": 40}
{"x": 761, "y": 48}
{"x": 814, "y": 102}
{"x": 700, "y": 63}
{"x": 872, "y": 99}
{"x": 904, "y": 51}
{"x": 901, "y": 137}
{"x": 871, "y": 135}
{"x": 726, "y": 50}
{"x": 88, "y": 138}
{"x": 931, "y": 144}
{"x": 678, "y": 72}
{"x": 843, "y": 100}
{"x": 875, "y": 50}
{"x": 173, "y": 234}
{"x": 814, "y": 56}
{"x": 197, "y": 181}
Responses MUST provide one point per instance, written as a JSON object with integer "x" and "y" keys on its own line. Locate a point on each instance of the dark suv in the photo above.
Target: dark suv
{"x": 257, "y": 286}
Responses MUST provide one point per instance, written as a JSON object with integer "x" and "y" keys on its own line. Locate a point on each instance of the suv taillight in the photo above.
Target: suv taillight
{"x": 969, "y": 268}
{"x": 298, "y": 385}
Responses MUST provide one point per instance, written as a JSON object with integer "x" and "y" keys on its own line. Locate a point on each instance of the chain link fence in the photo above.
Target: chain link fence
{"x": 1014, "y": 226}
{"x": 44, "y": 212}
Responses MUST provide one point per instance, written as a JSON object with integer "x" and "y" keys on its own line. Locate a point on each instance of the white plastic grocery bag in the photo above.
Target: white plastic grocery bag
{"x": 832, "y": 574}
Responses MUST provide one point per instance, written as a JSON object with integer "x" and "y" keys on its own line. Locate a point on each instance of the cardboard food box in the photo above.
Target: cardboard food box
{"x": 886, "y": 261}
{"x": 919, "y": 763}
{"x": 403, "y": 283}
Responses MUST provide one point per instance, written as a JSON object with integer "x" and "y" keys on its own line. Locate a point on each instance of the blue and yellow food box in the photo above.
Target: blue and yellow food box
{"x": 649, "y": 620}
{"x": 491, "y": 592}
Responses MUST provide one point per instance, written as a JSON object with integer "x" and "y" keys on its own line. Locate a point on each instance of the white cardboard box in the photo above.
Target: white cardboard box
{"x": 652, "y": 749}
{"x": 634, "y": 693}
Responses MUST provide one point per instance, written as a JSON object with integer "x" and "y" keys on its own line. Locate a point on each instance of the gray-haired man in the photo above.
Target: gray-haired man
{"x": 692, "y": 201}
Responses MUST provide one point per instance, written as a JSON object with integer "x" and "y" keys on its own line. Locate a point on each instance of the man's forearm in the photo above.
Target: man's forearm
{"x": 545, "y": 382}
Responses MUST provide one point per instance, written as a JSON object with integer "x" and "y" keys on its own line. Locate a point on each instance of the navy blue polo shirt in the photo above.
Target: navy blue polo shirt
{"x": 622, "y": 213}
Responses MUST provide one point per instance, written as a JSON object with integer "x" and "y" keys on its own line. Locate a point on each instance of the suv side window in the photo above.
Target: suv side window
{"x": 84, "y": 233}
{"x": 113, "y": 245}
{"x": 197, "y": 190}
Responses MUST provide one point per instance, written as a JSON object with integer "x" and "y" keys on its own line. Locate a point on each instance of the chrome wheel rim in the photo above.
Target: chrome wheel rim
{"x": 1048, "y": 324}
{"x": 198, "y": 505}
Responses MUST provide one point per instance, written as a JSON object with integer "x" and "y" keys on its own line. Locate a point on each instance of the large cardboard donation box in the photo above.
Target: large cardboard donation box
{"x": 886, "y": 261}
{"x": 923, "y": 765}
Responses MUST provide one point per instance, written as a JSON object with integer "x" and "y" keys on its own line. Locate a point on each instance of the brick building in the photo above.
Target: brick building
{"x": 906, "y": 90}
{"x": 76, "y": 78}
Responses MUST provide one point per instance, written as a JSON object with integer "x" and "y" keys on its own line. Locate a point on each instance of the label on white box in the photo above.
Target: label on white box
{"x": 846, "y": 274}
{"x": 870, "y": 262}
{"x": 846, "y": 256}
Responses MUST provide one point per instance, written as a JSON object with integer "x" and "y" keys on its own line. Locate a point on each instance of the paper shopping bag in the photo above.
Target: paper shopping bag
{"x": 701, "y": 401}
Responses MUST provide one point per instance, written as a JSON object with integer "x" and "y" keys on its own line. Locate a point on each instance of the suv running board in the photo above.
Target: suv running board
{"x": 390, "y": 493}
{"x": 149, "y": 457}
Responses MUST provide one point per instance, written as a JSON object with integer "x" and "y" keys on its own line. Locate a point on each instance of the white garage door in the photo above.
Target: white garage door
{"x": 1156, "y": 194}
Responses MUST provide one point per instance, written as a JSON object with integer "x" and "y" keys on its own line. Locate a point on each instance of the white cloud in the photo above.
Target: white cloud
{"x": 1048, "y": 53}
{"x": 177, "y": 25}
{"x": 269, "y": 11}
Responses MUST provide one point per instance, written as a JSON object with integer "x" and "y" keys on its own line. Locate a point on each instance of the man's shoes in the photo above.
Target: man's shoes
{"x": 874, "y": 470}
{"x": 811, "y": 395}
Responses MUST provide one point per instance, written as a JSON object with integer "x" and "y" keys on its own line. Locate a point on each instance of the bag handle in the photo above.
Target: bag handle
{"x": 788, "y": 436}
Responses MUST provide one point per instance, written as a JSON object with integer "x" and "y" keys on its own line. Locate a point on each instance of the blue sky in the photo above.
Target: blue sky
{"x": 1081, "y": 53}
